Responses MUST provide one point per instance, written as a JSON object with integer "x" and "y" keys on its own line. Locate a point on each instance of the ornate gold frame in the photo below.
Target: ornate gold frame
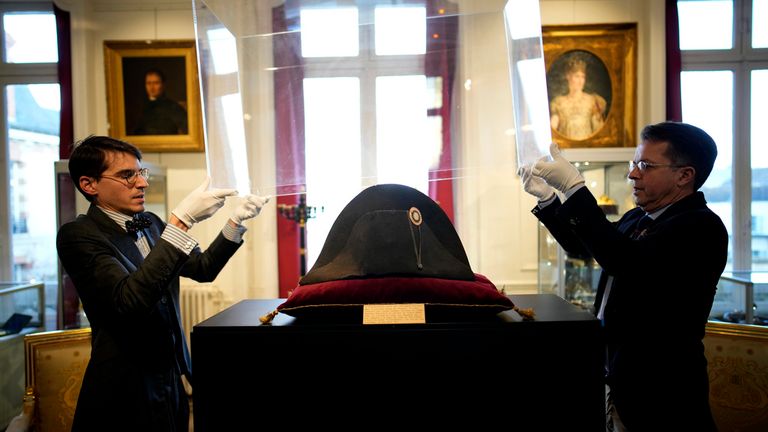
{"x": 738, "y": 371}
{"x": 114, "y": 53}
{"x": 616, "y": 46}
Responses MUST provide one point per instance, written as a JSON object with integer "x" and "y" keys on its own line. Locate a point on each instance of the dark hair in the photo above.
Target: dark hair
{"x": 89, "y": 158}
{"x": 155, "y": 71}
{"x": 687, "y": 145}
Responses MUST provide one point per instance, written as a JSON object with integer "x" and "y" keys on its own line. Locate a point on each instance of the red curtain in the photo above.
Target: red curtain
{"x": 674, "y": 63}
{"x": 440, "y": 61}
{"x": 289, "y": 137}
{"x": 64, "y": 41}
{"x": 68, "y": 303}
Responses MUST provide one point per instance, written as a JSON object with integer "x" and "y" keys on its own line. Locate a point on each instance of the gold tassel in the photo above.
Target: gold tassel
{"x": 528, "y": 314}
{"x": 266, "y": 319}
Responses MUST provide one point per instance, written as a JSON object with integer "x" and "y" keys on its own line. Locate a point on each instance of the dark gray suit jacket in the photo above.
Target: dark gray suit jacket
{"x": 132, "y": 304}
{"x": 663, "y": 288}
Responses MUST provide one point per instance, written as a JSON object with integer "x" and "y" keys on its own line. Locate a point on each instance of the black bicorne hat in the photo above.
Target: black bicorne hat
{"x": 391, "y": 230}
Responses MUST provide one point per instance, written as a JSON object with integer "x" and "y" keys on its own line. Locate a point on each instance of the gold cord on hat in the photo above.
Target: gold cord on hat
{"x": 414, "y": 216}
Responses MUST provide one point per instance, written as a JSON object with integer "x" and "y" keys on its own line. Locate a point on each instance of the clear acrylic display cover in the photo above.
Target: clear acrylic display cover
{"x": 347, "y": 94}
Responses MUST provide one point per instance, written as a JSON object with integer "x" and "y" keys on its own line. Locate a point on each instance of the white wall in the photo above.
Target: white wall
{"x": 493, "y": 215}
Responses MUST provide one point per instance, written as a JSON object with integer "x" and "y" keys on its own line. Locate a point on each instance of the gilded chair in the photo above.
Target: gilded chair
{"x": 738, "y": 376}
{"x": 55, "y": 365}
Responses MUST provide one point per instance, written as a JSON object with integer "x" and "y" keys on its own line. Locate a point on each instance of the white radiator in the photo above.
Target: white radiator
{"x": 198, "y": 302}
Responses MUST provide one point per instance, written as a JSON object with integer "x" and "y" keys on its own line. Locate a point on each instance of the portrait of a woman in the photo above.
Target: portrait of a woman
{"x": 577, "y": 108}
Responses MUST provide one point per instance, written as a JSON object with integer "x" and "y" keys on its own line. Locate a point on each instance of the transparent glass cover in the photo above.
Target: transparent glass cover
{"x": 348, "y": 94}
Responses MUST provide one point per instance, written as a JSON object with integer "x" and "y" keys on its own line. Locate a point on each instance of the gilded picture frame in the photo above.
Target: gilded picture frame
{"x": 153, "y": 94}
{"x": 592, "y": 84}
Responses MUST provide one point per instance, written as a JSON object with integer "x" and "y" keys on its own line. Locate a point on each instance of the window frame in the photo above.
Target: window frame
{"x": 15, "y": 74}
{"x": 741, "y": 59}
{"x": 366, "y": 67}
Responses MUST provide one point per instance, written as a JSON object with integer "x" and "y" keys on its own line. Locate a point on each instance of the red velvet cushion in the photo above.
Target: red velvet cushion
{"x": 445, "y": 299}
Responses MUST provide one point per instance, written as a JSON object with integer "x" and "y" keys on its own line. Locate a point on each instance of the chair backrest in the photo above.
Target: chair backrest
{"x": 738, "y": 375}
{"x": 55, "y": 365}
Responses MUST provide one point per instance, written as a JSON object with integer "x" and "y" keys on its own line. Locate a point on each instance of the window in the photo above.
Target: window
{"x": 705, "y": 24}
{"x": 30, "y": 37}
{"x": 724, "y": 83}
{"x": 29, "y": 140}
{"x": 368, "y": 97}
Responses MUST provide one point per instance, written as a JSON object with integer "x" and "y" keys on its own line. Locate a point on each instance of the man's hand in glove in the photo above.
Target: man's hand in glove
{"x": 201, "y": 204}
{"x": 535, "y": 186}
{"x": 558, "y": 173}
{"x": 249, "y": 208}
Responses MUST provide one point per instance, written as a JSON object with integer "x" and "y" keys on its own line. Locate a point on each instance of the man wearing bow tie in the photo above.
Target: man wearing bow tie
{"x": 126, "y": 265}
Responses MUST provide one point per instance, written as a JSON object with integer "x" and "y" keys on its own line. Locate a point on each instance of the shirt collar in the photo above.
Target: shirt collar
{"x": 118, "y": 217}
{"x": 658, "y": 212}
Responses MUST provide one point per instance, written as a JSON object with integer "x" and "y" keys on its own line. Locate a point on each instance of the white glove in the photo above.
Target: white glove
{"x": 201, "y": 203}
{"x": 535, "y": 186}
{"x": 558, "y": 173}
{"x": 249, "y": 208}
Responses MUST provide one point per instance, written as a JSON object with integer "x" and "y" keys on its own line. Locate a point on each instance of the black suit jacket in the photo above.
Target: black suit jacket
{"x": 132, "y": 304}
{"x": 662, "y": 291}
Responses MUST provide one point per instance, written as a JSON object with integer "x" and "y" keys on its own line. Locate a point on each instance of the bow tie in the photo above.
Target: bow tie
{"x": 139, "y": 222}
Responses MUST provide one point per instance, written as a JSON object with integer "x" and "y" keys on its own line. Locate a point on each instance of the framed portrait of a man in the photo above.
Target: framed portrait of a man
{"x": 591, "y": 84}
{"x": 153, "y": 94}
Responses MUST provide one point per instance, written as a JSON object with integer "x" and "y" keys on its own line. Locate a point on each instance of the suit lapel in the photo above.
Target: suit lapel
{"x": 627, "y": 225}
{"x": 124, "y": 242}
{"x": 154, "y": 231}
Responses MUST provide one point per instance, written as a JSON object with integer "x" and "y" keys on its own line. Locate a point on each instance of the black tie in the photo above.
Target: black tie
{"x": 139, "y": 222}
{"x": 642, "y": 226}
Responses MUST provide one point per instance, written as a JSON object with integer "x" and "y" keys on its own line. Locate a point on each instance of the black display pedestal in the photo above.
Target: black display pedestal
{"x": 503, "y": 373}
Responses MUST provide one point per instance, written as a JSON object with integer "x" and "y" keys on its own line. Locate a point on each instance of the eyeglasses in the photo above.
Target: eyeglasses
{"x": 129, "y": 177}
{"x": 644, "y": 166}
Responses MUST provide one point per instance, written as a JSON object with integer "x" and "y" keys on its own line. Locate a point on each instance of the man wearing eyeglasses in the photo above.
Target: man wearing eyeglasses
{"x": 126, "y": 264}
{"x": 661, "y": 263}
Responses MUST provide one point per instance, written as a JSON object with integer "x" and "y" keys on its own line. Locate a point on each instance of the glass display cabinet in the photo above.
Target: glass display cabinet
{"x": 575, "y": 278}
{"x": 23, "y": 298}
{"x": 28, "y": 300}
{"x": 742, "y": 298}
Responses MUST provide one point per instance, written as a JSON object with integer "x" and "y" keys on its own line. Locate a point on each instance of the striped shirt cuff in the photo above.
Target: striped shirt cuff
{"x": 573, "y": 190}
{"x": 547, "y": 201}
{"x": 233, "y": 234}
{"x": 177, "y": 237}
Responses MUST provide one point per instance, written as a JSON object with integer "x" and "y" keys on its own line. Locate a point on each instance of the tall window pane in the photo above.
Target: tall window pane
{"x": 402, "y": 149}
{"x": 759, "y": 139}
{"x": 707, "y": 98}
{"x": 400, "y": 30}
{"x": 759, "y": 24}
{"x": 332, "y": 152}
{"x": 329, "y": 32}
{"x": 33, "y": 144}
{"x": 30, "y": 37}
{"x": 705, "y": 25}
